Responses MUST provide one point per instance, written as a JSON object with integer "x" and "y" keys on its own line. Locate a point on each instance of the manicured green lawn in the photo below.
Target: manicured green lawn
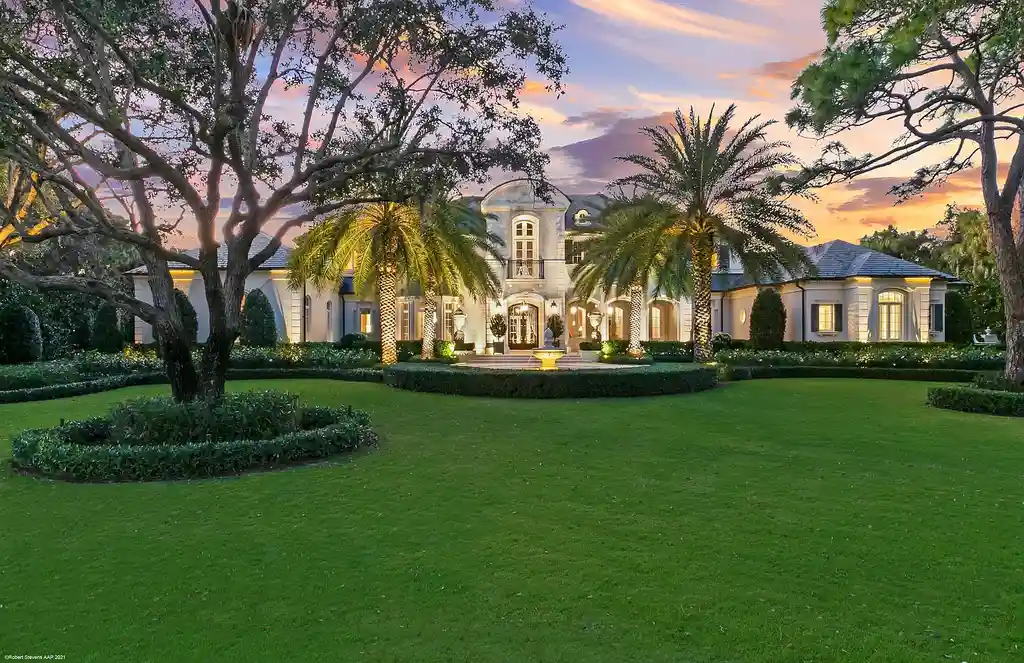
{"x": 785, "y": 520}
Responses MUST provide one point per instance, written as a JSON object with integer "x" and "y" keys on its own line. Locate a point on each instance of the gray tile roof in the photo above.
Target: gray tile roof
{"x": 279, "y": 260}
{"x": 839, "y": 260}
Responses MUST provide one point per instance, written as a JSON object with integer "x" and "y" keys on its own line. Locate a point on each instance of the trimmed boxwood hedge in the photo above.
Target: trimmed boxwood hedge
{"x": 619, "y": 382}
{"x": 81, "y": 451}
{"x": 972, "y": 399}
{"x": 81, "y": 388}
{"x": 737, "y": 373}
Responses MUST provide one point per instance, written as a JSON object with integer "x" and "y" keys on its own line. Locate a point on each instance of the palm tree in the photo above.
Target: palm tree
{"x": 457, "y": 245}
{"x": 630, "y": 249}
{"x": 383, "y": 244}
{"x": 726, "y": 185}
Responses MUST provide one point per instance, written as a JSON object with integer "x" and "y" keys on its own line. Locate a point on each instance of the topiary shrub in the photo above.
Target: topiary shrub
{"x": 189, "y": 319}
{"x": 106, "y": 332}
{"x": 768, "y": 320}
{"x": 959, "y": 323}
{"x": 557, "y": 327}
{"x": 259, "y": 328}
{"x": 21, "y": 339}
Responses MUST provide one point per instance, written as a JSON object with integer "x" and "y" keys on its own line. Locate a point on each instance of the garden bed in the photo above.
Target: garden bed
{"x": 622, "y": 381}
{"x": 155, "y": 439}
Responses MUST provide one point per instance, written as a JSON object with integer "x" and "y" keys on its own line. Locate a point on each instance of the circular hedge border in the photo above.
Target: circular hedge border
{"x": 654, "y": 380}
{"x": 974, "y": 399}
{"x": 70, "y": 452}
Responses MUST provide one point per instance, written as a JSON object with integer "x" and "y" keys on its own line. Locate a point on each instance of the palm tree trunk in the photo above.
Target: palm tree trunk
{"x": 429, "y": 311}
{"x": 388, "y": 292}
{"x": 703, "y": 255}
{"x": 636, "y": 306}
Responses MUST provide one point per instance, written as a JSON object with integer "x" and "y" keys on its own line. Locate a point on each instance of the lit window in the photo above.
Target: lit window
{"x": 449, "y": 321}
{"x": 403, "y": 322}
{"x": 890, "y": 316}
{"x": 826, "y": 318}
{"x": 743, "y": 316}
{"x": 365, "y": 321}
{"x": 655, "y": 324}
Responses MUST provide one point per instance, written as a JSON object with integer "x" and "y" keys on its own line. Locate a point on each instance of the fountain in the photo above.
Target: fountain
{"x": 549, "y": 354}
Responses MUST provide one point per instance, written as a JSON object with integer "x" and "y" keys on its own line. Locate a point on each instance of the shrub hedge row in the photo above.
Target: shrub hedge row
{"x": 923, "y": 356}
{"x": 737, "y": 373}
{"x": 98, "y": 385}
{"x": 90, "y": 450}
{"x": 972, "y": 399}
{"x": 621, "y": 382}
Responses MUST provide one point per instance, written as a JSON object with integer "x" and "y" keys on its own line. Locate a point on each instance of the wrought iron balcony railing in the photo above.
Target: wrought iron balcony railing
{"x": 525, "y": 269}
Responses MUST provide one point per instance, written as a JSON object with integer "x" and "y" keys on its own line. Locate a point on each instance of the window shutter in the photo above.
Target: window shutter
{"x": 938, "y": 317}
{"x": 814, "y": 317}
{"x": 568, "y": 251}
{"x": 839, "y": 317}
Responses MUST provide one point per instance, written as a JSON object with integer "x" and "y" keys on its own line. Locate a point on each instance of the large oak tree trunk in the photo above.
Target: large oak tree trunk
{"x": 429, "y": 311}
{"x": 636, "y": 305}
{"x": 1011, "y": 279}
{"x": 177, "y": 356}
{"x": 388, "y": 287}
{"x": 703, "y": 256}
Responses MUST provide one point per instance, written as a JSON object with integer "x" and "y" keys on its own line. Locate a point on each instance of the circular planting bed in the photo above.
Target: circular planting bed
{"x": 620, "y": 381}
{"x": 154, "y": 439}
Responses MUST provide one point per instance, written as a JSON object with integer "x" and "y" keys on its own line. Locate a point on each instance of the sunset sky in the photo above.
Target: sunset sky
{"x": 633, "y": 62}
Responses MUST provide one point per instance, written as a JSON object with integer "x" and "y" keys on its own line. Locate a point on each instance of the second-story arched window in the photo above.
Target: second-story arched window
{"x": 525, "y": 262}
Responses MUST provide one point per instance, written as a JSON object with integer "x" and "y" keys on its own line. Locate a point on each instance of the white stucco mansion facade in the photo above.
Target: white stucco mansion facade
{"x": 857, "y": 294}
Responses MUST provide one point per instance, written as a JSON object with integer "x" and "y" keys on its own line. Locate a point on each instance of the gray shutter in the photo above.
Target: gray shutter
{"x": 938, "y": 317}
{"x": 814, "y": 317}
{"x": 839, "y": 317}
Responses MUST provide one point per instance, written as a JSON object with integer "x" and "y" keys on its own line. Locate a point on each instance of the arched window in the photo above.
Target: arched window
{"x": 330, "y": 321}
{"x": 524, "y": 250}
{"x": 890, "y": 315}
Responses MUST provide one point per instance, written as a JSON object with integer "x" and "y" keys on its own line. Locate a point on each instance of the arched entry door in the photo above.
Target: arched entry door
{"x": 523, "y": 327}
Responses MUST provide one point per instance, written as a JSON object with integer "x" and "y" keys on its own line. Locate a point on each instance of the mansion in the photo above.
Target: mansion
{"x": 857, "y": 294}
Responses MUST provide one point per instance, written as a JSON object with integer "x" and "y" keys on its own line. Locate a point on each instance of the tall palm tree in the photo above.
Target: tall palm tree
{"x": 381, "y": 241}
{"x": 458, "y": 246}
{"x": 628, "y": 251}
{"x": 726, "y": 184}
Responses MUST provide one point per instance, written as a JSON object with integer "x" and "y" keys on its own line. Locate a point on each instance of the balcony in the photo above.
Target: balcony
{"x": 525, "y": 269}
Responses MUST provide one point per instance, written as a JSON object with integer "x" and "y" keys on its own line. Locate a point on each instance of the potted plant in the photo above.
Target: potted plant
{"x": 590, "y": 350}
{"x": 498, "y": 329}
{"x": 557, "y": 328}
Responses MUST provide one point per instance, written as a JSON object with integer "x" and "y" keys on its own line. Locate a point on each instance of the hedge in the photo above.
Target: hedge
{"x": 71, "y": 452}
{"x": 106, "y": 335}
{"x": 88, "y": 366}
{"x": 99, "y": 385}
{"x": 620, "y": 382}
{"x": 922, "y": 356}
{"x": 737, "y": 373}
{"x": 973, "y": 399}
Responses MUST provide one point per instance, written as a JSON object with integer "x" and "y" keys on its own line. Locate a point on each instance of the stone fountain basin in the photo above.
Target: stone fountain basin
{"x": 549, "y": 358}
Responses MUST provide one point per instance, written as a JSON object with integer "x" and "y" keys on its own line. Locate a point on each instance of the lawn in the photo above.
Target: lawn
{"x": 785, "y": 520}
